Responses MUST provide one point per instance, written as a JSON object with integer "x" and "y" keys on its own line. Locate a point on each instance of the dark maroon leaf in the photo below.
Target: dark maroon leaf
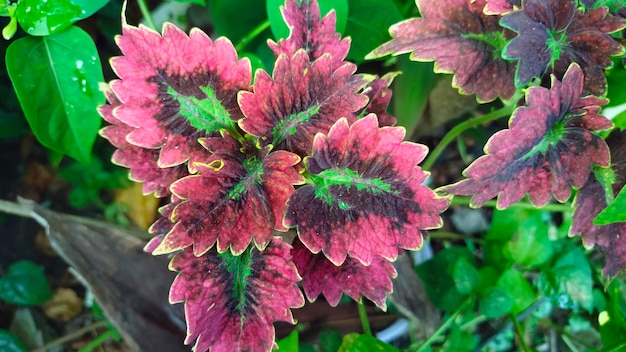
{"x": 365, "y": 196}
{"x": 301, "y": 99}
{"x": 316, "y": 36}
{"x": 379, "y": 94}
{"x": 553, "y": 33}
{"x": 548, "y": 148}
{"x": 234, "y": 199}
{"x": 591, "y": 200}
{"x": 175, "y": 89}
{"x": 231, "y": 301}
{"x": 461, "y": 39}
{"x": 320, "y": 276}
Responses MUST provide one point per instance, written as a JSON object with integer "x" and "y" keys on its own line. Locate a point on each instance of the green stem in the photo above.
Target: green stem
{"x": 520, "y": 333}
{"x": 364, "y": 321}
{"x": 145, "y": 12}
{"x": 72, "y": 336}
{"x": 253, "y": 34}
{"x": 443, "y": 327}
{"x": 462, "y": 127}
{"x": 109, "y": 334}
{"x": 555, "y": 207}
{"x": 442, "y": 235}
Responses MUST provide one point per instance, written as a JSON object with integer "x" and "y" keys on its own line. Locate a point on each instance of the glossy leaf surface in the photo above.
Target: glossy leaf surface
{"x": 56, "y": 80}
{"x": 41, "y": 17}
{"x": 25, "y": 284}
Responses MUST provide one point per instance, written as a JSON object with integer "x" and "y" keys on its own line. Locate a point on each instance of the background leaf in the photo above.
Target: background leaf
{"x": 368, "y": 25}
{"x": 614, "y": 212}
{"x": 41, "y": 17}
{"x": 289, "y": 343}
{"x": 358, "y": 343}
{"x": 280, "y": 29}
{"x": 56, "y": 80}
{"x": 24, "y": 284}
{"x": 10, "y": 343}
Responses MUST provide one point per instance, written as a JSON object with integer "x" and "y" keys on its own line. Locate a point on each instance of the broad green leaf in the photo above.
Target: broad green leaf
{"x": 530, "y": 246}
{"x": 495, "y": 302}
{"x": 368, "y": 25}
{"x": 568, "y": 281}
{"x": 56, "y": 80}
{"x": 330, "y": 340}
{"x": 10, "y": 343}
{"x": 249, "y": 15}
{"x": 199, "y": 2}
{"x": 24, "y": 284}
{"x": 504, "y": 224}
{"x": 614, "y": 212}
{"x": 42, "y": 17}
{"x": 460, "y": 340}
{"x": 466, "y": 276}
{"x": 518, "y": 288}
{"x": 411, "y": 90}
{"x": 280, "y": 29}
{"x": 358, "y": 343}
{"x": 437, "y": 275}
{"x": 289, "y": 343}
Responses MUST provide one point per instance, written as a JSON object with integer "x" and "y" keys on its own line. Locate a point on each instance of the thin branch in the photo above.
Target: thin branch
{"x": 71, "y": 336}
{"x": 364, "y": 320}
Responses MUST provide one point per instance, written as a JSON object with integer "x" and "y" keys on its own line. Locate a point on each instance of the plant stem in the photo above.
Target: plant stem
{"x": 564, "y": 334}
{"x": 364, "y": 321}
{"x": 109, "y": 334}
{"x": 462, "y": 127}
{"x": 443, "y": 235}
{"x": 555, "y": 207}
{"x": 72, "y": 336}
{"x": 145, "y": 12}
{"x": 443, "y": 327}
{"x": 520, "y": 333}
{"x": 253, "y": 34}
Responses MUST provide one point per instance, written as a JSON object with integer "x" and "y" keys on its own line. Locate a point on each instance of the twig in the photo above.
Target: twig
{"x": 364, "y": 320}
{"x": 145, "y": 12}
{"x": 443, "y": 327}
{"x": 71, "y": 336}
{"x": 520, "y": 333}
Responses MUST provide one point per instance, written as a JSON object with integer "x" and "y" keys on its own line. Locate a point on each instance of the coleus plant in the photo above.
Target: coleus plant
{"x": 243, "y": 160}
{"x": 310, "y": 148}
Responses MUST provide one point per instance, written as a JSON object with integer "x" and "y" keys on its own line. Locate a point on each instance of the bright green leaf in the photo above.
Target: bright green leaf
{"x": 358, "y": 343}
{"x": 368, "y": 25}
{"x": 10, "y": 343}
{"x": 459, "y": 340}
{"x": 495, "y": 302}
{"x": 411, "y": 90}
{"x": 437, "y": 274}
{"x": 289, "y": 343}
{"x": 41, "y": 17}
{"x": 199, "y": 2}
{"x": 614, "y": 212}
{"x": 518, "y": 288}
{"x": 330, "y": 340}
{"x": 568, "y": 281}
{"x": 56, "y": 80}
{"x": 531, "y": 245}
{"x": 24, "y": 284}
{"x": 280, "y": 29}
{"x": 466, "y": 276}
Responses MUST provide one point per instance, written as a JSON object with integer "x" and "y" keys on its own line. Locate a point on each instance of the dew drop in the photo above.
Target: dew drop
{"x": 80, "y": 64}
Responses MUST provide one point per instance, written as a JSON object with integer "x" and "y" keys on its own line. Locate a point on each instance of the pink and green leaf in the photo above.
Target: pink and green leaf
{"x": 231, "y": 302}
{"x": 553, "y": 33}
{"x": 461, "y": 39}
{"x": 301, "y": 99}
{"x": 142, "y": 162}
{"x": 233, "y": 200}
{"x": 320, "y": 276}
{"x": 548, "y": 148}
{"x": 317, "y": 36}
{"x": 175, "y": 88}
{"x": 364, "y": 197}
